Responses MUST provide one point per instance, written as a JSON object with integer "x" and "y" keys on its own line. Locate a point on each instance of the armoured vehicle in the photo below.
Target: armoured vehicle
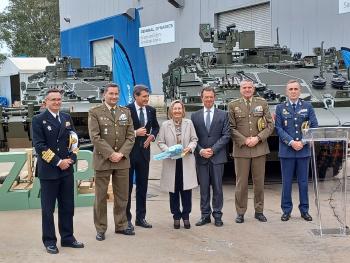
{"x": 81, "y": 89}
{"x": 269, "y": 67}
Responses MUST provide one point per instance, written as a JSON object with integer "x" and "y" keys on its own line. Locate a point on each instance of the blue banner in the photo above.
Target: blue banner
{"x": 122, "y": 75}
{"x": 345, "y": 52}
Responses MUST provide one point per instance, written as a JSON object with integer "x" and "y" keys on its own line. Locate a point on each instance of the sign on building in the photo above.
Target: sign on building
{"x": 157, "y": 34}
{"x": 344, "y": 6}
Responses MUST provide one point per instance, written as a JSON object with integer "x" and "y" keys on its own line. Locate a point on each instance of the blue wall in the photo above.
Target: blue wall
{"x": 77, "y": 42}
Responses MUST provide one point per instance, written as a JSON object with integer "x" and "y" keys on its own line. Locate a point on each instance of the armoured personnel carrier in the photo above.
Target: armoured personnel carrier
{"x": 269, "y": 67}
{"x": 81, "y": 89}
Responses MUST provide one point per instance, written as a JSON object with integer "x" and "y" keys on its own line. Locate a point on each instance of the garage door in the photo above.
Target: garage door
{"x": 102, "y": 51}
{"x": 255, "y": 18}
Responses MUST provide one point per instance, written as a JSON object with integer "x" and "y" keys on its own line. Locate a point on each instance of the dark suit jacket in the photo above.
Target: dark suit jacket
{"x": 217, "y": 137}
{"x": 152, "y": 127}
{"x": 51, "y": 141}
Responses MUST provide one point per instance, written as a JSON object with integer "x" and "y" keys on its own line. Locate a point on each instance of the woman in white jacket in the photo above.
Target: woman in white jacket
{"x": 179, "y": 176}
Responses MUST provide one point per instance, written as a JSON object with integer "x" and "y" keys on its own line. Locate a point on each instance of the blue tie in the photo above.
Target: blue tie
{"x": 293, "y": 105}
{"x": 207, "y": 120}
{"x": 142, "y": 118}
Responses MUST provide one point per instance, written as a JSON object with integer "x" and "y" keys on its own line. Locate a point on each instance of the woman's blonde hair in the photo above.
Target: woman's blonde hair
{"x": 171, "y": 107}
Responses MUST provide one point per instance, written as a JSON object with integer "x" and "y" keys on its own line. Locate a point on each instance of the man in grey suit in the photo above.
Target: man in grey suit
{"x": 213, "y": 131}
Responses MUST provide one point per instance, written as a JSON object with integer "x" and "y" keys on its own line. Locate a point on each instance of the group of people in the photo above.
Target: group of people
{"x": 122, "y": 136}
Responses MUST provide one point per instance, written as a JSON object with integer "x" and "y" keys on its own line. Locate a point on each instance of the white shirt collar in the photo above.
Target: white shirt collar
{"x": 291, "y": 102}
{"x": 211, "y": 109}
{"x": 138, "y": 107}
{"x": 54, "y": 114}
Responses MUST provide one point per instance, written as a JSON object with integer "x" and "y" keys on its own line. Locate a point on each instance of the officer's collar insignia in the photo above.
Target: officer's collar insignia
{"x": 67, "y": 123}
{"x": 123, "y": 117}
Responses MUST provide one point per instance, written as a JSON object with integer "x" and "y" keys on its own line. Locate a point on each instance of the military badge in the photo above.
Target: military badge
{"x": 302, "y": 111}
{"x": 49, "y": 128}
{"x": 67, "y": 123}
{"x": 123, "y": 120}
{"x": 285, "y": 112}
{"x": 258, "y": 109}
{"x": 238, "y": 109}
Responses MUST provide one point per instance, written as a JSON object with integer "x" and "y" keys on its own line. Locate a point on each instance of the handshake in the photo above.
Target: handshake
{"x": 173, "y": 152}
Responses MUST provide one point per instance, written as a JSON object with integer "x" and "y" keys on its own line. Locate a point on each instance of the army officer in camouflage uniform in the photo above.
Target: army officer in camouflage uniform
{"x": 251, "y": 124}
{"x": 112, "y": 134}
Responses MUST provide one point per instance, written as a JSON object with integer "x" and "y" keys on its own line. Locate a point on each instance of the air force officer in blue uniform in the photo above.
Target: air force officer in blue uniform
{"x": 291, "y": 117}
{"x": 51, "y": 138}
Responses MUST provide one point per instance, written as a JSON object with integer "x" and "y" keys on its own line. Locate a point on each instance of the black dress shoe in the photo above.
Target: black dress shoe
{"x": 203, "y": 221}
{"x": 74, "y": 244}
{"x": 130, "y": 225}
{"x": 187, "y": 224}
{"x": 285, "y": 217}
{"x": 127, "y": 232}
{"x": 260, "y": 217}
{"x": 218, "y": 222}
{"x": 142, "y": 223}
{"x": 52, "y": 249}
{"x": 176, "y": 224}
{"x": 100, "y": 236}
{"x": 239, "y": 219}
{"x": 306, "y": 216}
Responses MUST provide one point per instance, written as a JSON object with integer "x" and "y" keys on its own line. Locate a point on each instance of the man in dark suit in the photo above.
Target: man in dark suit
{"x": 52, "y": 131}
{"x": 146, "y": 129}
{"x": 291, "y": 117}
{"x": 213, "y": 131}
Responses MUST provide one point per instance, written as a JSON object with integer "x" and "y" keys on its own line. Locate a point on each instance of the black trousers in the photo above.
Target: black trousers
{"x": 140, "y": 167}
{"x": 185, "y": 195}
{"x": 61, "y": 190}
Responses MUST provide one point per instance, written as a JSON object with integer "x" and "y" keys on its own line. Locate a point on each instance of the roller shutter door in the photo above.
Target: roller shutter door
{"x": 256, "y": 18}
{"x": 102, "y": 52}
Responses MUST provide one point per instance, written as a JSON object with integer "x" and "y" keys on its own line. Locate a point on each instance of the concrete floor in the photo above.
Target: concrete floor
{"x": 274, "y": 241}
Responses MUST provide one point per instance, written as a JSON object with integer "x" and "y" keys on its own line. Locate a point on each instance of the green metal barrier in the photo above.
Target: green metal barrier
{"x": 13, "y": 199}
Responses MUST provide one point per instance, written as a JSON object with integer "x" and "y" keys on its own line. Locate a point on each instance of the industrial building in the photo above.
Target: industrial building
{"x": 89, "y": 29}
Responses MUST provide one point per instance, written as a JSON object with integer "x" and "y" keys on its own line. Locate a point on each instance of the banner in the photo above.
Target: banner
{"x": 122, "y": 75}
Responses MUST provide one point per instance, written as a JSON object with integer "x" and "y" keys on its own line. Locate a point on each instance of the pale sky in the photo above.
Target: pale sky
{"x": 3, "y": 4}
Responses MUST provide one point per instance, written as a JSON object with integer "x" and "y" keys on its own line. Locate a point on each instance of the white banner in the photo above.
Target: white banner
{"x": 344, "y": 6}
{"x": 157, "y": 34}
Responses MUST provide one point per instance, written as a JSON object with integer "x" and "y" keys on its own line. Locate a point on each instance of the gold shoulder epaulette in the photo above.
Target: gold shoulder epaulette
{"x": 47, "y": 155}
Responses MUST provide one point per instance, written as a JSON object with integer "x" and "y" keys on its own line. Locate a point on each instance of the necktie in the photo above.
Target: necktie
{"x": 113, "y": 112}
{"x": 293, "y": 105}
{"x": 58, "y": 119}
{"x": 142, "y": 118}
{"x": 207, "y": 120}
{"x": 248, "y": 105}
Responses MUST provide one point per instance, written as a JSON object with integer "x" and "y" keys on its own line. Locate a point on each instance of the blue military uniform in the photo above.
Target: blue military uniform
{"x": 289, "y": 122}
{"x": 51, "y": 139}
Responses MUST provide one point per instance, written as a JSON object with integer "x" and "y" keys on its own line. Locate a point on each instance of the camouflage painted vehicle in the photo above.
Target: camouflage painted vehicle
{"x": 270, "y": 68}
{"x": 81, "y": 89}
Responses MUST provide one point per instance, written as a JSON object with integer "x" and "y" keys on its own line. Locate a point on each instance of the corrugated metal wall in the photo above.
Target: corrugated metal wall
{"x": 255, "y": 18}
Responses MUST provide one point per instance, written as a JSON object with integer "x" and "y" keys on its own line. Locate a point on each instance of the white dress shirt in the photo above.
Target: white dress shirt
{"x": 211, "y": 114}
{"x": 138, "y": 112}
